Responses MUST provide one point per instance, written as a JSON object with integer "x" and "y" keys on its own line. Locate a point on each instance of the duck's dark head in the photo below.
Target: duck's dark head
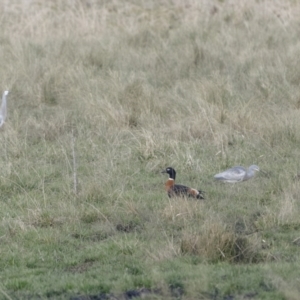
{"x": 171, "y": 172}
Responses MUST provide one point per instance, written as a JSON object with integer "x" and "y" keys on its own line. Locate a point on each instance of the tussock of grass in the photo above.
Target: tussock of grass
{"x": 217, "y": 243}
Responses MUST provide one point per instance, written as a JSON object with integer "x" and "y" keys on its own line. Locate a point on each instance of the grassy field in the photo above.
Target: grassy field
{"x": 104, "y": 95}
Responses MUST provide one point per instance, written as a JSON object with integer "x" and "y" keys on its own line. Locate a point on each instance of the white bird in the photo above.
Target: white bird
{"x": 237, "y": 174}
{"x": 3, "y": 108}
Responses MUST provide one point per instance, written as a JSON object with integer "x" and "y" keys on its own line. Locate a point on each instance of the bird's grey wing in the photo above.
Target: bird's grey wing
{"x": 235, "y": 173}
{"x": 3, "y": 107}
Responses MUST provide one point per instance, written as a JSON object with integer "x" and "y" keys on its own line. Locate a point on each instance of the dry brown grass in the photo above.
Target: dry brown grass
{"x": 216, "y": 242}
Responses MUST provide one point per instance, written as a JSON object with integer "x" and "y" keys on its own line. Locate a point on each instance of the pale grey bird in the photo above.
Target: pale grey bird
{"x": 237, "y": 174}
{"x": 3, "y": 108}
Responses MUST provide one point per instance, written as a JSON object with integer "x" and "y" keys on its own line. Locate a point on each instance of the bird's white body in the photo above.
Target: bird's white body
{"x": 3, "y": 108}
{"x": 237, "y": 174}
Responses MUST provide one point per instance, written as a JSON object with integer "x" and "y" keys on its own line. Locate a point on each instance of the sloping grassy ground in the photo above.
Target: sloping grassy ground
{"x": 129, "y": 88}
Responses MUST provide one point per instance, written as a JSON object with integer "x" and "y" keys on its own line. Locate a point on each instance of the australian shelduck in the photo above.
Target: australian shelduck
{"x": 179, "y": 190}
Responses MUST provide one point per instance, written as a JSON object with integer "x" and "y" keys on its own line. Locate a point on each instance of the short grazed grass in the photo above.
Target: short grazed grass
{"x": 130, "y": 88}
